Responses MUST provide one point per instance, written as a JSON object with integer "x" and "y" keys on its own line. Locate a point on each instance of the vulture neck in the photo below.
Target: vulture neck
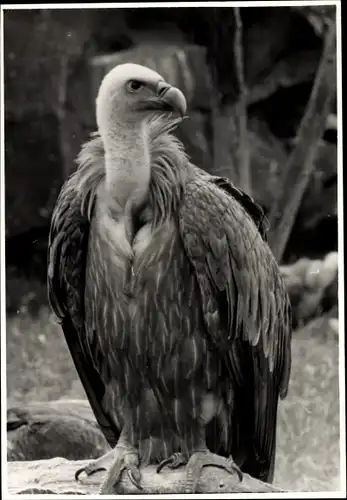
{"x": 127, "y": 166}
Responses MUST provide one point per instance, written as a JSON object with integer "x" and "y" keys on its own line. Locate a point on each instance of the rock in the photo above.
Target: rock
{"x": 270, "y": 31}
{"x": 32, "y": 170}
{"x": 312, "y": 287}
{"x": 320, "y": 199}
{"x": 37, "y": 64}
{"x": 267, "y": 154}
{"x": 268, "y": 157}
{"x": 50, "y": 38}
{"x": 61, "y": 428}
{"x": 56, "y": 476}
{"x": 319, "y": 16}
{"x": 294, "y": 69}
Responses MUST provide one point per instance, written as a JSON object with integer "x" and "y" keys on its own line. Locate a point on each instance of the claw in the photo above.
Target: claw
{"x": 125, "y": 459}
{"x": 79, "y": 472}
{"x": 133, "y": 479}
{"x": 235, "y": 468}
{"x": 162, "y": 464}
{"x": 173, "y": 462}
{"x": 204, "y": 459}
{"x": 87, "y": 472}
{"x": 101, "y": 463}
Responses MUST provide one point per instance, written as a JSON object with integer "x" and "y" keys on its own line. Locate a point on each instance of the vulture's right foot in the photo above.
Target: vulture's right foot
{"x": 124, "y": 458}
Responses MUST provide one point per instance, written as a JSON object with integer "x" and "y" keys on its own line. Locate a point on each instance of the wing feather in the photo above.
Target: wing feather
{"x": 68, "y": 244}
{"x": 246, "y": 311}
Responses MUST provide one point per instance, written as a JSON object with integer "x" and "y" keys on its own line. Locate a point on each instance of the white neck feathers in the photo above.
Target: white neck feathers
{"x": 127, "y": 165}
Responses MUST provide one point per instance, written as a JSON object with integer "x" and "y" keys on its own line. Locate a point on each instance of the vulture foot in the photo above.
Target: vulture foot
{"x": 202, "y": 459}
{"x": 124, "y": 458}
{"x": 101, "y": 463}
{"x": 173, "y": 462}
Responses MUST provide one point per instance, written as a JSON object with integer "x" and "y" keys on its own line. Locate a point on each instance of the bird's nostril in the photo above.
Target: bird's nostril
{"x": 162, "y": 88}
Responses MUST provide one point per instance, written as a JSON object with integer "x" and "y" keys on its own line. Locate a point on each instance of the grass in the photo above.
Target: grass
{"x": 308, "y": 457}
{"x": 39, "y": 368}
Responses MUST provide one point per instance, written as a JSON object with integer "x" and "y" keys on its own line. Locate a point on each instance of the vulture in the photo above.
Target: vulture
{"x": 169, "y": 297}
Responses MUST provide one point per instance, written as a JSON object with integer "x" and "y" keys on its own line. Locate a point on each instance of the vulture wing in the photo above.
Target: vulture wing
{"x": 68, "y": 243}
{"x": 246, "y": 312}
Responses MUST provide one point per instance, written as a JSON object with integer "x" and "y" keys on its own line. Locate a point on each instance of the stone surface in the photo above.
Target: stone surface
{"x": 37, "y": 65}
{"x": 32, "y": 171}
{"x": 56, "y": 476}
{"x": 39, "y": 43}
{"x": 320, "y": 200}
{"x": 267, "y": 154}
{"x": 63, "y": 428}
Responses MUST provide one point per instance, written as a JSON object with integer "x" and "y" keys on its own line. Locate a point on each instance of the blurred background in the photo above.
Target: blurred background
{"x": 249, "y": 77}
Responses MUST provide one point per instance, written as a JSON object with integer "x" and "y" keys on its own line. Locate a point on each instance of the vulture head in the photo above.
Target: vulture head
{"x": 136, "y": 110}
{"x": 130, "y": 92}
{"x": 133, "y": 157}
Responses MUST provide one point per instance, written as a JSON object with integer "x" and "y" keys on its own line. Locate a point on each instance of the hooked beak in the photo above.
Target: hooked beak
{"x": 167, "y": 98}
{"x": 171, "y": 98}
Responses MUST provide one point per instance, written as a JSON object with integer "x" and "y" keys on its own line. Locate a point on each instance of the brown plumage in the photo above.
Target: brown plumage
{"x": 170, "y": 299}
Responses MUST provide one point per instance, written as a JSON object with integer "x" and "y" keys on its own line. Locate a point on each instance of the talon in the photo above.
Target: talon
{"x": 125, "y": 459}
{"x": 163, "y": 463}
{"x": 173, "y": 462}
{"x": 133, "y": 479}
{"x": 204, "y": 459}
{"x": 87, "y": 472}
{"x": 78, "y": 473}
{"x": 235, "y": 468}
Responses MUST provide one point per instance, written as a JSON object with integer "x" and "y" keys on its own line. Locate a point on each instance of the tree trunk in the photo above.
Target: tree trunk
{"x": 300, "y": 164}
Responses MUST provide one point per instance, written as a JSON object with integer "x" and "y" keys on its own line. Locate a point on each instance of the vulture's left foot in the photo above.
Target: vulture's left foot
{"x": 173, "y": 462}
{"x": 202, "y": 459}
{"x": 124, "y": 458}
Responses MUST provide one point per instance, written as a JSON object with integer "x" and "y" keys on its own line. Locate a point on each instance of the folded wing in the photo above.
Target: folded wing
{"x": 246, "y": 312}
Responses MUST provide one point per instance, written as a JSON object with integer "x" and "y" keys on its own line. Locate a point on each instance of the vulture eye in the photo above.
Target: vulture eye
{"x": 135, "y": 85}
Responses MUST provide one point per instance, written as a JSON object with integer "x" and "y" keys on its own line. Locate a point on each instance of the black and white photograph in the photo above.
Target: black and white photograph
{"x": 172, "y": 274}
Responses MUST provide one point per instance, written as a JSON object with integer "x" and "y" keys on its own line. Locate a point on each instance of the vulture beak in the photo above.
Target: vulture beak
{"x": 171, "y": 98}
